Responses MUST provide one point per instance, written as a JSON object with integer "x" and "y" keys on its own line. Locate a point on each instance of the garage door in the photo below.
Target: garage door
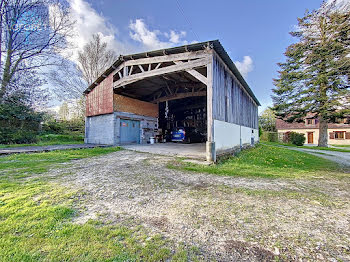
{"x": 129, "y": 131}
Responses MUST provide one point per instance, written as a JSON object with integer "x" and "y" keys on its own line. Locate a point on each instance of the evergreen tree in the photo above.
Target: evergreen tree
{"x": 315, "y": 77}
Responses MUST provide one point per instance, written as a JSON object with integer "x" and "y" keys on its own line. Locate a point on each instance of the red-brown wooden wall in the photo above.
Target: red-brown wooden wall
{"x": 100, "y": 100}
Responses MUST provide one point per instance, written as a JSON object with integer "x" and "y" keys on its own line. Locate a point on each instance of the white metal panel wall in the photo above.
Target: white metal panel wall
{"x": 228, "y": 135}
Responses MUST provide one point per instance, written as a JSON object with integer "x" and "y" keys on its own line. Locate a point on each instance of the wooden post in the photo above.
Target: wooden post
{"x": 125, "y": 71}
{"x": 210, "y": 145}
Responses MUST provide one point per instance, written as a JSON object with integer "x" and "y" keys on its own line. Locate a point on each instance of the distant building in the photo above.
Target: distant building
{"x": 338, "y": 133}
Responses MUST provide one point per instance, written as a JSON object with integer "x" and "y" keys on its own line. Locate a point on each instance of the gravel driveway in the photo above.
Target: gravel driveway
{"x": 226, "y": 218}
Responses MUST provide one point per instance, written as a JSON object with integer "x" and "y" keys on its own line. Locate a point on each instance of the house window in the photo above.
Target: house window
{"x": 309, "y": 121}
{"x": 339, "y": 134}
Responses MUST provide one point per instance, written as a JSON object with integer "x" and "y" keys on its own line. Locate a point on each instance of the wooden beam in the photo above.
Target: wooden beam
{"x": 194, "y": 73}
{"x": 164, "y": 70}
{"x": 160, "y": 60}
{"x": 179, "y": 96}
{"x": 159, "y": 64}
{"x": 197, "y": 75}
{"x": 170, "y": 78}
{"x": 177, "y": 87}
{"x": 128, "y": 95}
{"x": 117, "y": 69}
{"x": 210, "y": 120}
{"x": 168, "y": 58}
{"x": 210, "y": 145}
{"x": 170, "y": 91}
{"x": 125, "y": 71}
{"x": 141, "y": 68}
{"x": 131, "y": 68}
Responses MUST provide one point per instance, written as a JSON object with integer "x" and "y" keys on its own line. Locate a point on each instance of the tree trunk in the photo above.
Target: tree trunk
{"x": 1, "y": 15}
{"x": 323, "y": 133}
{"x": 6, "y": 75}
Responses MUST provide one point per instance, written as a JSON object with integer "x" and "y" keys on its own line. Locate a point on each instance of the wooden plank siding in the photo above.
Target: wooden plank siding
{"x": 99, "y": 101}
{"x": 231, "y": 102}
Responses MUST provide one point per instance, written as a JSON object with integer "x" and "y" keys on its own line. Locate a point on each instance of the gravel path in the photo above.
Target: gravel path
{"x": 227, "y": 218}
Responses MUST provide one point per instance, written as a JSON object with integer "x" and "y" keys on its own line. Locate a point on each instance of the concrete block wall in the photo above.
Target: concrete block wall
{"x": 105, "y": 129}
{"x": 100, "y": 129}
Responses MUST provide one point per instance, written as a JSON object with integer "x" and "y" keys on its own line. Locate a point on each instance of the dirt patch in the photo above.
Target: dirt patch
{"x": 241, "y": 247}
{"x": 227, "y": 218}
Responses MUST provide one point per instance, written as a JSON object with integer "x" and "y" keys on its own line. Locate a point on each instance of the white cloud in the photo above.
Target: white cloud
{"x": 245, "y": 66}
{"x": 153, "y": 39}
{"x": 88, "y": 22}
{"x": 176, "y": 37}
{"x": 140, "y": 38}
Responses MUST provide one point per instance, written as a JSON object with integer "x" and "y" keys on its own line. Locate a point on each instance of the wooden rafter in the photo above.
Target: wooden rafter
{"x": 163, "y": 90}
{"x": 167, "y": 58}
{"x": 179, "y": 96}
{"x": 159, "y": 64}
{"x": 127, "y": 68}
{"x": 190, "y": 65}
{"x": 194, "y": 73}
{"x": 141, "y": 68}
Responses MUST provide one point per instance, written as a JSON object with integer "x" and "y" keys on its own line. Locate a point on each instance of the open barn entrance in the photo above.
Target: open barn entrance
{"x": 181, "y": 102}
{"x": 187, "y": 114}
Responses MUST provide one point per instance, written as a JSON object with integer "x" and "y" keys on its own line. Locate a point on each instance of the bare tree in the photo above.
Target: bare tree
{"x": 34, "y": 31}
{"x": 70, "y": 79}
{"x": 67, "y": 80}
{"x": 95, "y": 58}
{"x": 2, "y": 14}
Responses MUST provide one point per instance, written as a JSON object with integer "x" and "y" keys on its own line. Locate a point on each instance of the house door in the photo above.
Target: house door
{"x": 129, "y": 131}
{"x": 310, "y": 137}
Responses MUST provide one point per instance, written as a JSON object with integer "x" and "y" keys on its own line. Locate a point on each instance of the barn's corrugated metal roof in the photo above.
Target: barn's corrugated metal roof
{"x": 215, "y": 44}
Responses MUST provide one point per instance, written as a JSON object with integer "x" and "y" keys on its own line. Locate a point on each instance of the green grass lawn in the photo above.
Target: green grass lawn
{"x": 21, "y": 165}
{"x": 342, "y": 148}
{"x": 36, "y": 218}
{"x": 51, "y": 139}
{"x": 269, "y": 162}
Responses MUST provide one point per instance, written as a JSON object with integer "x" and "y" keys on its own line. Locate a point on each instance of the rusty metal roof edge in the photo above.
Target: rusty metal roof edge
{"x": 178, "y": 49}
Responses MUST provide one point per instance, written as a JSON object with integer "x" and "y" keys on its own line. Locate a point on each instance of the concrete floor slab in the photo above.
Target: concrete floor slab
{"x": 194, "y": 151}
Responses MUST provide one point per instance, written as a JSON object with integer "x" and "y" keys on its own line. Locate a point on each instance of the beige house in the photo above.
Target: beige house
{"x": 338, "y": 133}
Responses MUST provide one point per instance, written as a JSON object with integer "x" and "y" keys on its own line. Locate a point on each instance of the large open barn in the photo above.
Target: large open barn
{"x": 150, "y": 96}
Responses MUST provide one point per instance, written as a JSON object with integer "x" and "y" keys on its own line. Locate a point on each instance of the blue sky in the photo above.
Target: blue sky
{"x": 254, "y": 33}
